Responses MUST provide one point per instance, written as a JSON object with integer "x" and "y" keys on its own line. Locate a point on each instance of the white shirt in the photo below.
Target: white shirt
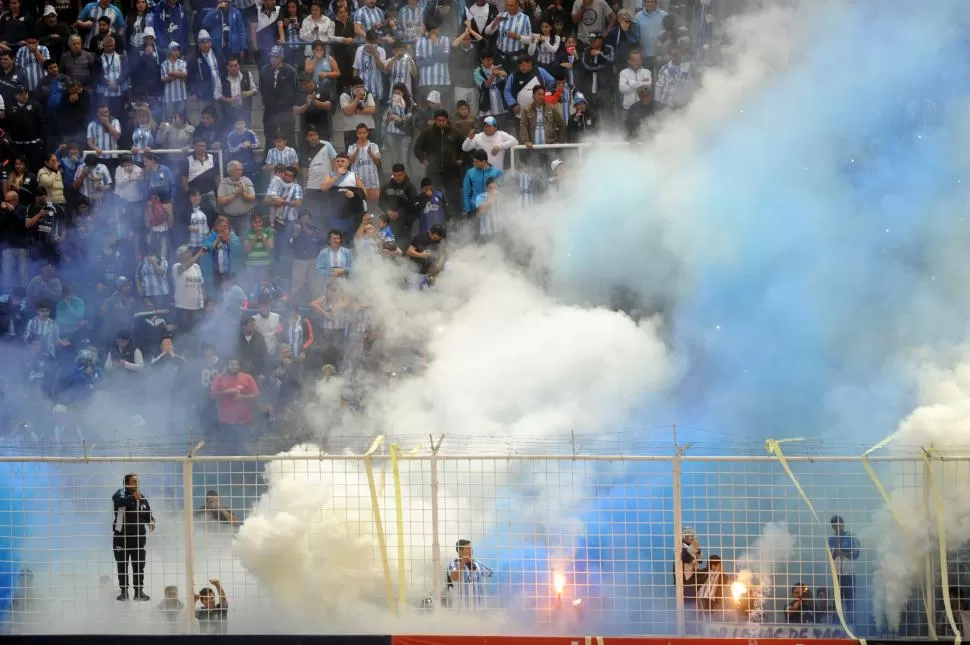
{"x": 267, "y": 327}
{"x": 128, "y": 185}
{"x": 631, "y": 81}
{"x": 189, "y": 287}
{"x": 482, "y": 141}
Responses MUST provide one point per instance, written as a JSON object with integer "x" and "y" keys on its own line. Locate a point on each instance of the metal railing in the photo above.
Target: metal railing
{"x": 161, "y": 151}
{"x": 581, "y": 149}
{"x": 572, "y": 539}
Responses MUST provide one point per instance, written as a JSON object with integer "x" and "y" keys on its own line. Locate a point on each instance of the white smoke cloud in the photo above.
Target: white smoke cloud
{"x": 940, "y": 426}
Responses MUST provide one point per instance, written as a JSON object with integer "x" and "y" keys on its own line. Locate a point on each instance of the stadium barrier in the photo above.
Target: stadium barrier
{"x": 559, "y": 530}
{"x": 162, "y": 151}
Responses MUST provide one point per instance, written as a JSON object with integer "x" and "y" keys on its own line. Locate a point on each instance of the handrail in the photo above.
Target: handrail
{"x": 157, "y": 151}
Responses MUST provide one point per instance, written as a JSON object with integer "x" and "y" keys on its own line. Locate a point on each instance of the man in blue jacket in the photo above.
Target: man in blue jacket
{"x": 228, "y": 30}
{"x": 476, "y": 181}
{"x": 132, "y": 521}
{"x": 171, "y": 25}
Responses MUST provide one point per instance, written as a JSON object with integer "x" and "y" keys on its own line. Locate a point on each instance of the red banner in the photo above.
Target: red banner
{"x": 412, "y": 639}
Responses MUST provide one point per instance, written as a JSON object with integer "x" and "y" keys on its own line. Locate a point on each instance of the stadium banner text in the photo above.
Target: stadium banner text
{"x": 773, "y": 632}
{"x": 728, "y": 639}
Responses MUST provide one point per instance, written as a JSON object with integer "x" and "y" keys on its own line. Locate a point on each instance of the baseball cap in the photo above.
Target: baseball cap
{"x": 490, "y": 120}
{"x": 172, "y": 46}
{"x": 49, "y": 10}
{"x": 276, "y": 51}
{"x": 121, "y": 281}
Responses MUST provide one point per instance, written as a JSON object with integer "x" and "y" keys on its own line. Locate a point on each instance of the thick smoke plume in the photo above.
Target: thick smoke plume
{"x": 798, "y": 232}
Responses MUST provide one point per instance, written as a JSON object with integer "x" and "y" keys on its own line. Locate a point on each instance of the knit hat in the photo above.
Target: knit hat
{"x": 434, "y": 96}
{"x": 203, "y": 35}
{"x": 579, "y": 98}
{"x": 490, "y": 120}
{"x": 149, "y": 33}
{"x": 276, "y": 51}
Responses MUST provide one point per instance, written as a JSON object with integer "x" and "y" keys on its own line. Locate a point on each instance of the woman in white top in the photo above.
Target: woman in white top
{"x": 315, "y": 27}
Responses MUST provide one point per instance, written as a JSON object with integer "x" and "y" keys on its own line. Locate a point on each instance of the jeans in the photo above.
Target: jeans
{"x": 397, "y": 150}
{"x": 14, "y": 261}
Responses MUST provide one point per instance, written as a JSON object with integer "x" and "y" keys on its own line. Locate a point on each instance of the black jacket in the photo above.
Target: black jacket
{"x": 402, "y": 198}
{"x": 200, "y": 81}
{"x": 13, "y": 228}
{"x": 131, "y": 516}
{"x": 25, "y": 122}
{"x": 440, "y": 148}
{"x": 282, "y": 94}
{"x": 252, "y": 355}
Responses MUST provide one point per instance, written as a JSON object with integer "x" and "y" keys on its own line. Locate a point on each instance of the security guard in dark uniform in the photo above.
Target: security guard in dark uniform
{"x": 25, "y": 123}
{"x": 132, "y": 520}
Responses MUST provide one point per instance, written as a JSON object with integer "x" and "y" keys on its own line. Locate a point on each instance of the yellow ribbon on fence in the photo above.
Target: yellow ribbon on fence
{"x": 399, "y": 508}
{"x": 941, "y": 529}
{"x": 773, "y": 446}
{"x": 378, "y": 522}
{"x": 867, "y": 465}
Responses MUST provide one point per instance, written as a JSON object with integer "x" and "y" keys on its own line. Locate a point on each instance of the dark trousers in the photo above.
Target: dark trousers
{"x": 130, "y": 549}
{"x": 278, "y": 120}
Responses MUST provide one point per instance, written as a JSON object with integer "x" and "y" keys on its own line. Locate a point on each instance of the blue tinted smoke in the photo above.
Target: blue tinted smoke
{"x": 797, "y": 256}
{"x": 19, "y": 519}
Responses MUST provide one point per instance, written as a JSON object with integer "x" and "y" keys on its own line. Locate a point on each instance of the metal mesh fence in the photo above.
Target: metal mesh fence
{"x": 552, "y": 543}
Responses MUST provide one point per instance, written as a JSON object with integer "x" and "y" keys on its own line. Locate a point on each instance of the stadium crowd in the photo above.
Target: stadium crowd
{"x": 194, "y": 259}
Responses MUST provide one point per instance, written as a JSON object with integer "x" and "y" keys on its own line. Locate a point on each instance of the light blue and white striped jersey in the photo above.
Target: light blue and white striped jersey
{"x": 539, "y": 133}
{"x": 432, "y": 61}
{"x": 526, "y": 192}
{"x": 496, "y": 104}
{"x": 336, "y": 318}
{"x": 367, "y": 17}
{"x": 111, "y": 67}
{"x": 518, "y": 24}
{"x": 370, "y": 70}
{"x": 154, "y": 281}
{"x": 92, "y": 11}
{"x": 30, "y": 67}
{"x": 287, "y": 157}
{"x": 490, "y": 222}
{"x": 98, "y": 177}
{"x": 400, "y": 72}
{"x": 290, "y": 193}
{"x": 101, "y": 137}
{"x": 175, "y": 91}
{"x": 469, "y": 590}
{"x": 141, "y": 138}
{"x": 46, "y": 330}
{"x": 410, "y": 19}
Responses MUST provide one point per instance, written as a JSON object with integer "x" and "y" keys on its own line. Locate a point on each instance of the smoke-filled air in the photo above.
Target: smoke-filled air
{"x": 784, "y": 258}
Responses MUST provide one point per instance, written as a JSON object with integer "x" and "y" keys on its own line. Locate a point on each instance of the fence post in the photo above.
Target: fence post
{"x": 435, "y": 538}
{"x": 678, "y": 537}
{"x": 929, "y": 579}
{"x": 189, "y": 538}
